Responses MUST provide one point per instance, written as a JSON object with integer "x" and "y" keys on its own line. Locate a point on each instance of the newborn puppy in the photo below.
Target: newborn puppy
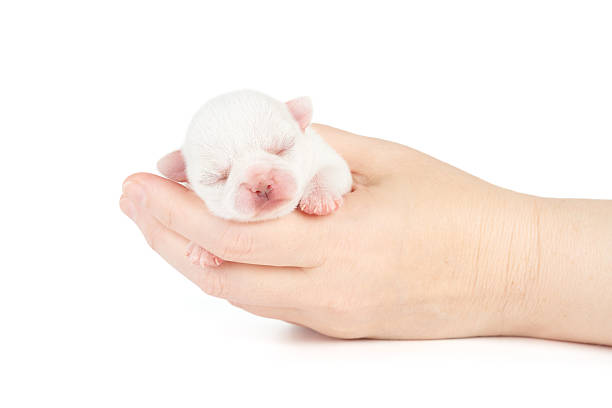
{"x": 252, "y": 158}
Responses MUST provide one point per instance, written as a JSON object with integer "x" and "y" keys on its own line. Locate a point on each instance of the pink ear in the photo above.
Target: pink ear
{"x": 301, "y": 109}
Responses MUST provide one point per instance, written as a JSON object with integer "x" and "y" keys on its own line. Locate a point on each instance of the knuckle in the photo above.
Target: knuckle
{"x": 235, "y": 243}
{"x": 214, "y": 284}
{"x": 343, "y": 311}
{"x": 169, "y": 216}
{"x": 170, "y": 213}
{"x": 339, "y": 307}
{"x": 343, "y": 319}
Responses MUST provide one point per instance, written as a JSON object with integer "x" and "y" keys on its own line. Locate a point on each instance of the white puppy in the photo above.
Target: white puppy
{"x": 251, "y": 158}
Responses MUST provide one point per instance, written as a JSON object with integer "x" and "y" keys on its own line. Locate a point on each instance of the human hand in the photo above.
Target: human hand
{"x": 419, "y": 249}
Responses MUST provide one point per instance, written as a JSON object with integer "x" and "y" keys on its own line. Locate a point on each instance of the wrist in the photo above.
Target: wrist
{"x": 574, "y": 272}
{"x": 508, "y": 263}
{"x": 549, "y": 272}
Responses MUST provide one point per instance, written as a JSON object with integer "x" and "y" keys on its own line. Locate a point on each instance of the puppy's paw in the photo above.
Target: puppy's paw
{"x": 199, "y": 256}
{"x": 320, "y": 202}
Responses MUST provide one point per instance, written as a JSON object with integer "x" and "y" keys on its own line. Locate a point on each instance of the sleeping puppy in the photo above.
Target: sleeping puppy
{"x": 252, "y": 158}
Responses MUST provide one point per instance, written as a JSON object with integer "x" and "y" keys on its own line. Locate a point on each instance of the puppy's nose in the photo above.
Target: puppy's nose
{"x": 263, "y": 180}
{"x": 265, "y": 188}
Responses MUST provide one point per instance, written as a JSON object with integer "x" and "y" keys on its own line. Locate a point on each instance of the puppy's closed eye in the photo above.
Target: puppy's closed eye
{"x": 280, "y": 150}
{"x": 214, "y": 177}
{"x": 277, "y": 152}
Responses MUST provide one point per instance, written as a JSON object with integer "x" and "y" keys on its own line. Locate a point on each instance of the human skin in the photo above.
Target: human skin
{"x": 419, "y": 250}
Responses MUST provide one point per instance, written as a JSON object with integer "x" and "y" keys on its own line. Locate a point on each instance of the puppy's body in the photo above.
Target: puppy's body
{"x": 252, "y": 158}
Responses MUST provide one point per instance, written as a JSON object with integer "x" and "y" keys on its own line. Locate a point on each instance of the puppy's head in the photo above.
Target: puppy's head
{"x": 247, "y": 155}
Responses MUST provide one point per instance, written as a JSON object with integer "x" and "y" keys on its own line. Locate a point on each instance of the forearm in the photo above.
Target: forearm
{"x": 571, "y": 297}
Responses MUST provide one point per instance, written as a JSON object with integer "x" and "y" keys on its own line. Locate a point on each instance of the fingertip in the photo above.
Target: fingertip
{"x": 127, "y": 207}
{"x": 140, "y": 179}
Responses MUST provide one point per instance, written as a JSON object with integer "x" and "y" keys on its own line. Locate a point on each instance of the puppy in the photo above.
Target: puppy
{"x": 252, "y": 158}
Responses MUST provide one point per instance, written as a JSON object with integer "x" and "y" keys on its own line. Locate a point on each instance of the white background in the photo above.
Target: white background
{"x": 518, "y": 93}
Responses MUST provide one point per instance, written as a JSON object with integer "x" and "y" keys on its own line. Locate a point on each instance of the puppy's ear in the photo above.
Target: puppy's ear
{"x": 301, "y": 109}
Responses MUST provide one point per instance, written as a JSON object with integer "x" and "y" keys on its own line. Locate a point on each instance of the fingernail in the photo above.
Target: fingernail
{"x": 127, "y": 207}
{"x": 134, "y": 192}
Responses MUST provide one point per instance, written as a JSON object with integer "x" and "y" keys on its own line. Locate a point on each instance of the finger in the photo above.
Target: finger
{"x": 172, "y": 166}
{"x": 240, "y": 283}
{"x": 365, "y": 155}
{"x": 295, "y": 240}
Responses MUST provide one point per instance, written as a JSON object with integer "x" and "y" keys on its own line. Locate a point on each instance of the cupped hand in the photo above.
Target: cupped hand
{"x": 418, "y": 250}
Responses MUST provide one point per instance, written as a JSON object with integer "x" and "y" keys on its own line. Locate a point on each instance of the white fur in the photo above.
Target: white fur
{"x": 236, "y": 130}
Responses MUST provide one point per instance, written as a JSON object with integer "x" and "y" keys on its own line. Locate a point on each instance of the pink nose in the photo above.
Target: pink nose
{"x": 264, "y": 188}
